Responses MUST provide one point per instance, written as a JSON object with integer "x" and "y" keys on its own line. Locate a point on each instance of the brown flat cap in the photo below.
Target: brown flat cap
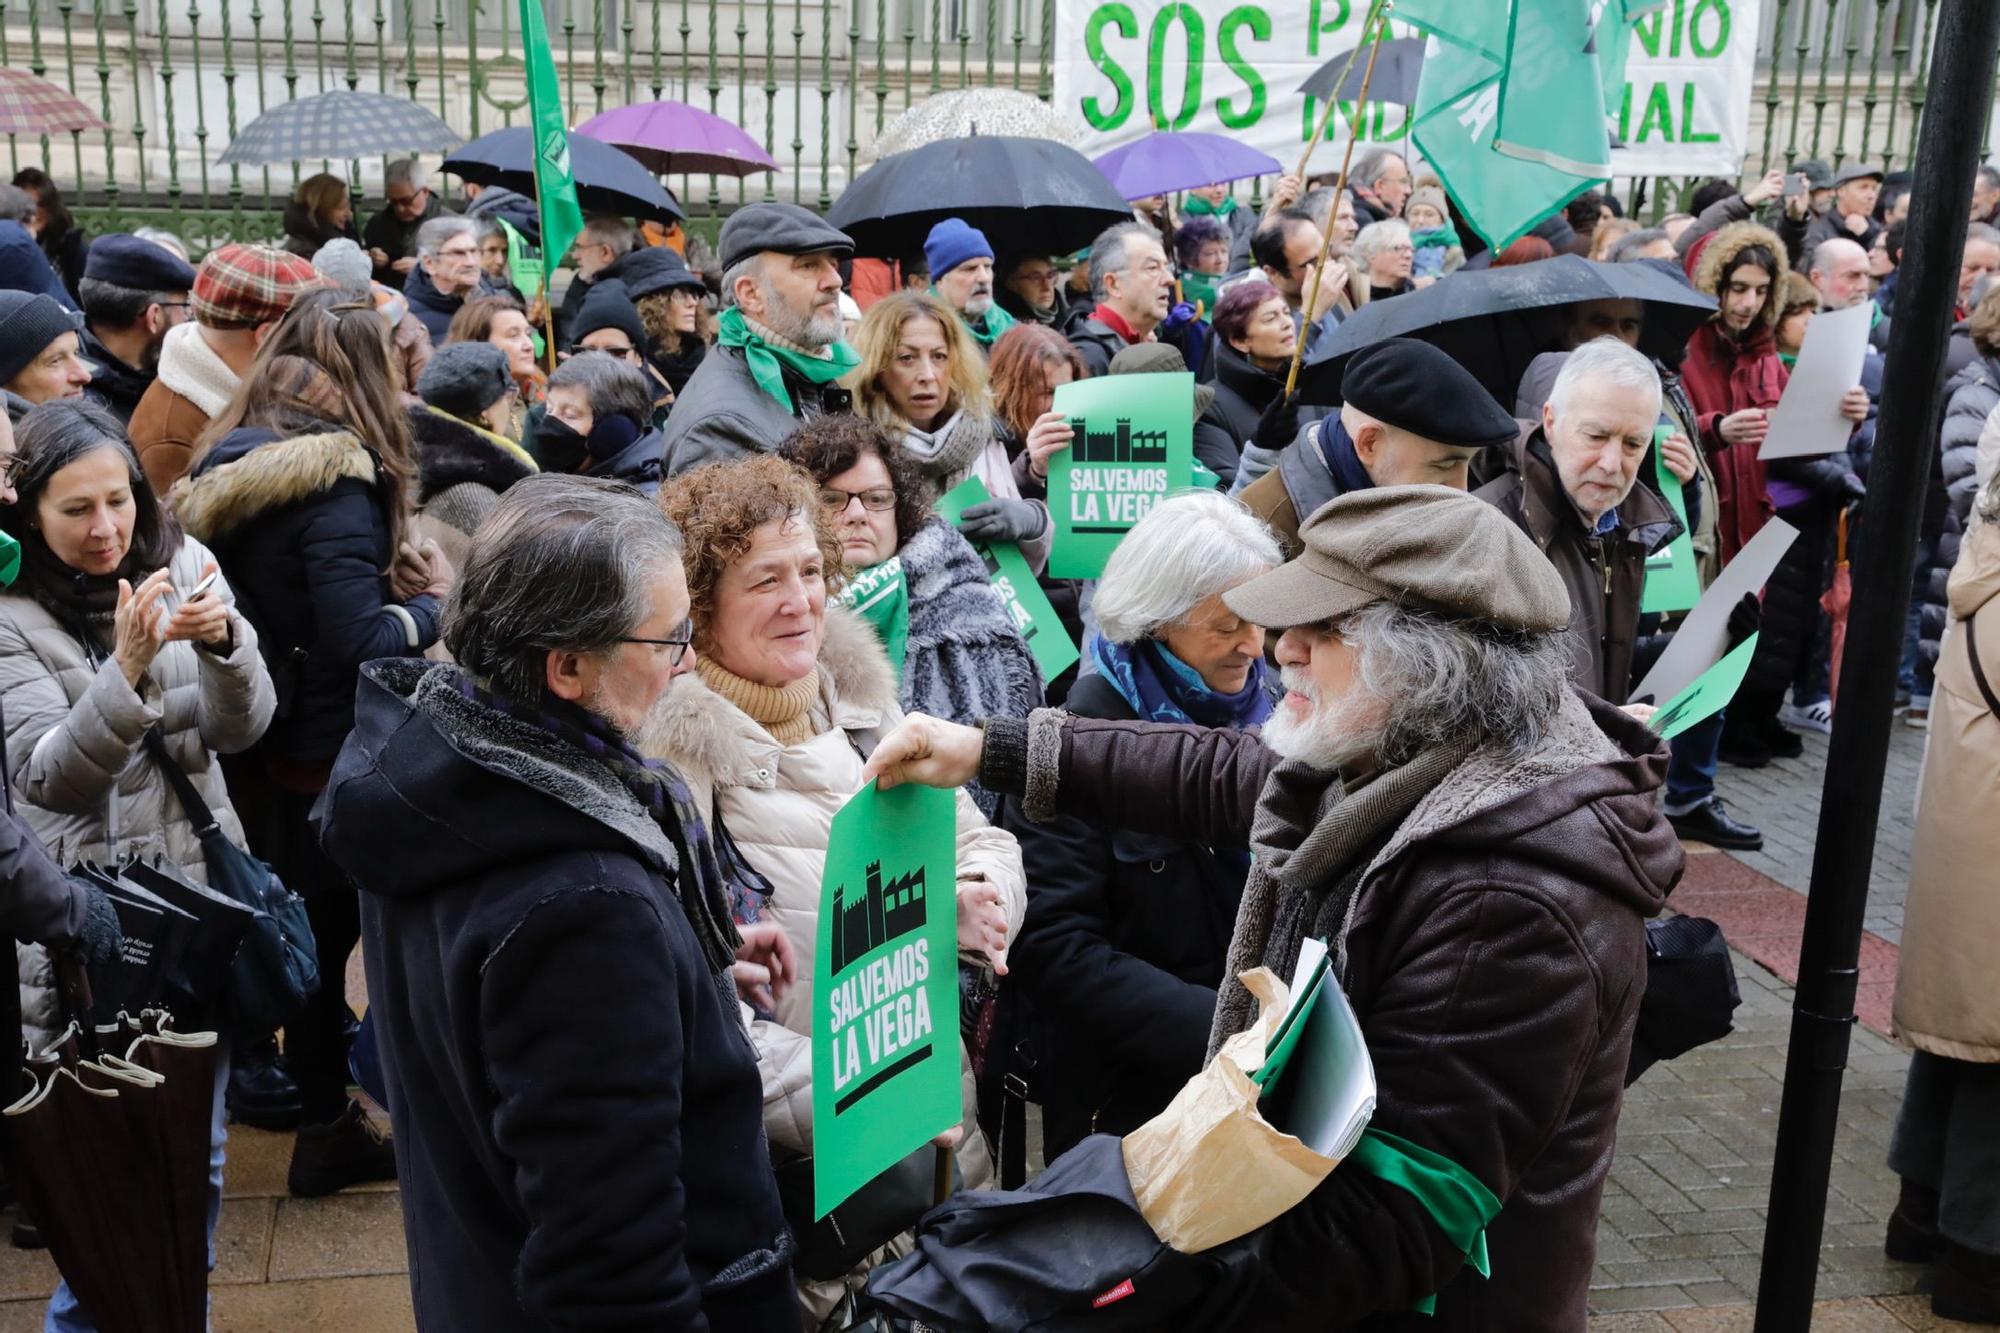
{"x": 1427, "y": 547}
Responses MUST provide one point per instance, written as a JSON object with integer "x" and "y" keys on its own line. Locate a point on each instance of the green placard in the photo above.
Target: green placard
{"x": 1672, "y": 583}
{"x": 1134, "y": 447}
{"x": 1711, "y": 692}
{"x": 885, "y": 1002}
{"x": 1015, "y": 582}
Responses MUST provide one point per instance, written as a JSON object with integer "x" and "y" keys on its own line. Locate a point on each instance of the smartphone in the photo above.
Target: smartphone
{"x": 1795, "y": 185}
{"x": 195, "y": 592}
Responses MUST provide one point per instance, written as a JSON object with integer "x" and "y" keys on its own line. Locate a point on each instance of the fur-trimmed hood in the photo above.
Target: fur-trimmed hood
{"x": 451, "y": 452}
{"x": 715, "y": 743}
{"x": 1716, "y": 252}
{"x": 254, "y": 470}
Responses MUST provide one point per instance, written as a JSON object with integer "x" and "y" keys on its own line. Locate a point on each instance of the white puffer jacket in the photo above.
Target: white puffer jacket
{"x": 778, "y": 804}
{"x": 85, "y": 783}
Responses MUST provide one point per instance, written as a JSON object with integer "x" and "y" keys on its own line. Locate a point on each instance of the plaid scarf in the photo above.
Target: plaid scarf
{"x": 715, "y": 882}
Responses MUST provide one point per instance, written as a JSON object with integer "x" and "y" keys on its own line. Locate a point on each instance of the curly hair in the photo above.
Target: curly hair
{"x": 718, "y": 509}
{"x": 830, "y": 444}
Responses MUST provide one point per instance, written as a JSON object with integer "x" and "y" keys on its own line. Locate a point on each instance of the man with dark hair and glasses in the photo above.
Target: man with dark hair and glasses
{"x": 552, "y": 966}
{"x": 133, "y": 292}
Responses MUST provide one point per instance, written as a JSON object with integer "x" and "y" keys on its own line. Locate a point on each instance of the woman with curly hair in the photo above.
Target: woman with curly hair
{"x": 787, "y": 698}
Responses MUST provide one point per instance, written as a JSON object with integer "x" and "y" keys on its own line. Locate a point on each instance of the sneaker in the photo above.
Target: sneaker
{"x": 1816, "y": 716}
{"x": 330, "y": 1157}
{"x": 1918, "y": 715}
{"x": 1912, "y": 1236}
{"x": 1709, "y": 822}
{"x": 262, "y": 1092}
{"x": 1968, "y": 1286}
{"x": 1784, "y": 743}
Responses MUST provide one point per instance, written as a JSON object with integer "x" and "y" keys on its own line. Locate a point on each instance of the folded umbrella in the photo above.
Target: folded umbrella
{"x": 608, "y": 180}
{"x": 1495, "y": 321}
{"x": 1165, "y": 162}
{"x": 30, "y": 105}
{"x": 1030, "y": 196}
{"x": 673, "y": 137}
{"x": 344, "y": 123}
{"x": 1397, "y": 66}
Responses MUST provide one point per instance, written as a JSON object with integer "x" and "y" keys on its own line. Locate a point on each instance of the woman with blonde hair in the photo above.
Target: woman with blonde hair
{"x": 923, "y": 380}
{"x": 320, "y": 210}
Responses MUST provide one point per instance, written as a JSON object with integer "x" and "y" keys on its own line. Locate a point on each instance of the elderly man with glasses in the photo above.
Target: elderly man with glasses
{"x": 447, "y": 273}
{"x": 391, "y": 235}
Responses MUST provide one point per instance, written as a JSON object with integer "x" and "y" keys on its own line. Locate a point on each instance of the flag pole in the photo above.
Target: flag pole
{"x": 1326, "y": 116}
{"x": 548, "y": 269}
{"x": 1340, "y": 183}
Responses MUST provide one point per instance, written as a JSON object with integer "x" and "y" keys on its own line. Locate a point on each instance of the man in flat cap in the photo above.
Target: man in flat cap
{"x": 1852, "y": 215}
{"x": 240, "y": 293}
{"x": 1478, "y": 844}
{"x": 133, "y": 293}
{"x": 778, "y": 349}
{"x": 1411, "y": 415}
{"x": 961, "y": 264}
{"x": 41, "y": 352}
{"x": 1570, "y": 487}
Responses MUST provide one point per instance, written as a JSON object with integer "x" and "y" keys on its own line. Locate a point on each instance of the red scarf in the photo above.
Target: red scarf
{"x": 1722, "y": 376}
{"x": 1114, "y": 321}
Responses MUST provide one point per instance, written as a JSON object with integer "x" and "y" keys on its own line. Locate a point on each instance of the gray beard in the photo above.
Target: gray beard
{"x": 1329, "y": 739}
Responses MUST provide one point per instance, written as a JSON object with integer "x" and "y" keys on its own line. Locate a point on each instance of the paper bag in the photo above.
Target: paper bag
{"x": 1209, "y": 1168}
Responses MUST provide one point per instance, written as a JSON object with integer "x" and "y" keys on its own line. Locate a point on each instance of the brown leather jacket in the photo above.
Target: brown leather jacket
{"x": 1496, "y": 961}
{"x": 1606, "y": 576}
{"x": 163, "y": 430}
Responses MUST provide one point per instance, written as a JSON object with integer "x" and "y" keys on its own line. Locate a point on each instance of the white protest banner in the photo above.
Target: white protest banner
{"x": 1124, "y": 68}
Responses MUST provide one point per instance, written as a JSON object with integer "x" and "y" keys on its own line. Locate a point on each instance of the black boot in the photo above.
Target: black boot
{"x": 262, "y": 1093}
{"x": 1710, "y": 822}
{"x": 347, "y": 1151}
{"x": 1912, "y": 1236}
{"x": 1968, "y": 1286}
{"x": 1784, "y": 743}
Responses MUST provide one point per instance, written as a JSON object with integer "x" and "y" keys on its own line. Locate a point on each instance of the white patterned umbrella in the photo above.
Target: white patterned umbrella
{"x": 996, "y": 112}
{"x": 338, "y": 125}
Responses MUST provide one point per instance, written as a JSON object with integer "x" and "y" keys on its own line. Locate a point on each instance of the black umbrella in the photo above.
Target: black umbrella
{"x": 1495, "y": 321}
{"x": 1030, "y": 196}
{"x": 1395, "y": 80}
{"x": 608, "y": 180}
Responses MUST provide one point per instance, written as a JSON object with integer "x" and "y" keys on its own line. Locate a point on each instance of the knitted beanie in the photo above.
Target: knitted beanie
{"x": 1432, "y": 195}
{"x": 954, "y": 242}
{"x": 344, "y": 263}
{"x": 464, "y": 379}
{"x": 29, "y": 322}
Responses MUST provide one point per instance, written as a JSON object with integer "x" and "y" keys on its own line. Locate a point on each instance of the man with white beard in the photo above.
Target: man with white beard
{"x": 961, "y": 264}
{"x": 1479, "y": 845}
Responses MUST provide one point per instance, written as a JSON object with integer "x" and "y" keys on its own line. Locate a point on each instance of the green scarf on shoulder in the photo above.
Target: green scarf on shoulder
{"x": 1197, "y": 207}
{"x": 768, "y": 361}
{"x": 997, "y": 322}
{"x": 880, "y": 595}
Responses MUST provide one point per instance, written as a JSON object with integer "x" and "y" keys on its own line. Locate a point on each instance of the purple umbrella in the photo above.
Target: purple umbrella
{"x": 1164, "y": 162}
{"x": 673, "y": 137}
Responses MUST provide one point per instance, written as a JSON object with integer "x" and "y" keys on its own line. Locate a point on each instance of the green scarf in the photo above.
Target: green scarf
{"x": 1456, "y": 1199}
{"x": 880, "y": 595}
{"x": 768, "y": 362}
{"x": 1446, "y": 236}
{"x": 997, "y": 322}
{"x": 1197, "y": 207}
{"x": 1203, "y": 290}
{"x": 1788, "y": 359}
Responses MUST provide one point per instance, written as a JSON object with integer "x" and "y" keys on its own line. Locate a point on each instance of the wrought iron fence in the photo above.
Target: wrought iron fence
{"x": 814, "y": 79}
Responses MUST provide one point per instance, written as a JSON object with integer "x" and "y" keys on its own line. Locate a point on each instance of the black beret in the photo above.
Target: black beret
{"x": 1413, "y": 386}
{"x": 464, "y": 379}
{"x": 786, "y": 228}
{"x": 127, "y": 261}
{"x": 655, "y": 268}
{"x": 608, "y": 306}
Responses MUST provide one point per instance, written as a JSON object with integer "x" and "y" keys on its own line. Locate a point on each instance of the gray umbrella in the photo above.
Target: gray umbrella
{"x": 967, "y": 111}
{"x": 337, "y": 125}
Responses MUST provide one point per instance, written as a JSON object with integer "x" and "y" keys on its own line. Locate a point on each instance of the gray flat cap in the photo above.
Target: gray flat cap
{"x": 1426, "y": 547}
{"x": 1855, "y": 171}
{"x": 786, "y": 228}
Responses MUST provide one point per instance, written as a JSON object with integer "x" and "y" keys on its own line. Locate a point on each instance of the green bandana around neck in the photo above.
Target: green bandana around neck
{"x": 10, "y": 560}
{"x": 1446, "y": 236}
{"x": 1196, "y": 206}
{"x": 880, "y": 595}
{"x": 1202, "y": 290}
{"x": 768, "y": 362}
{"x": 997, "y": 322}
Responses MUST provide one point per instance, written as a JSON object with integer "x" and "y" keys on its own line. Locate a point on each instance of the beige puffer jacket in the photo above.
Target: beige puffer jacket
{"x": 86, "y": 785}
{"x": 778, "y": 802}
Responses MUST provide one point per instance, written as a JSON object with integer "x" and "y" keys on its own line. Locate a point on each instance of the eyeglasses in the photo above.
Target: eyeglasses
{"x": 680, "y": 642}
{"x": 458, "y": 252}
{"x": 878, "y": 499}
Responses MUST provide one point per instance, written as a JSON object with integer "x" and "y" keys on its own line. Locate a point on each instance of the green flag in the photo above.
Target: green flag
{"x": 555, "y": 189}
{"x": 1551, "y": 103}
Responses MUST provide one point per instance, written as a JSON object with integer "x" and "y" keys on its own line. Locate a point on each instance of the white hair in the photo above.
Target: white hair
{"x": 1609, "y": 360}
{"x": 1377, "y": 237}
{"x": 407, "y": 171}
{"x": 439, "y": 232}
{"x": 1191, "y": 547}
{"x": 1827, "y": 253}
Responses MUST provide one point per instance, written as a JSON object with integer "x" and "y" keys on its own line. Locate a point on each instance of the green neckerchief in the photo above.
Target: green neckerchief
{"x": 1875, "y": 317}
{"x": 1461, "y": 1206}
{"x": 1447, "y": 236}
{"x": 880, "y": 595}
{"x": 997, "y": 322}
{"x": 765, "y": 360}
{"x": 1197, "y": 207}
{"x": 1789, "y": 359}
{"x": 10, "y": 560}
{"x": 1202, "y": 290}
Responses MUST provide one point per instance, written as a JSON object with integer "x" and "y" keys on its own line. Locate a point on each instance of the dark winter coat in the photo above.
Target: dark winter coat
{"x": 1120, "y": 955}
{"x": 432, "y": 308}
{"x": 722, "y": 415}
{"x": 24, "y": 268}
{"x": 1096, "y": 342}
{"x": 678, "y": 370}
{"x": 1605, "y": 575}
{"x": 579, "y": 1131}
{"x": 398, "y": 239}
{"x": 39, "y": 904}
{"x": 1242, "y": 392}
{"x": 301, "y": 527}
{"x": 462, "y": 470}
{"x": 640, "y": 463}
{"x": 516, "y": 210}
{"x": 1495, "y": 958}
{"x": 306, "y": 234}
{"x": 963, "y": 659}
{"x": 114, "y": 385}
{"x": 1969, "y": 398}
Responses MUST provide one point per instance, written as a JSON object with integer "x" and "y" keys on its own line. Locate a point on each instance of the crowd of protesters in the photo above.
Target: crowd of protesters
{"x": 541, "y": 672}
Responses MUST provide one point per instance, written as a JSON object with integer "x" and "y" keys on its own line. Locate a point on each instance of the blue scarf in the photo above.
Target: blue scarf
{"x": 1338, "y": 449}
{"x": 1162, "y": 688}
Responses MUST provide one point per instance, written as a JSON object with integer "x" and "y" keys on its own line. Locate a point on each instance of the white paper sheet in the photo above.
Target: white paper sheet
{"x": 1703, "y": 637}
{"x": 1807, "y": 419}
